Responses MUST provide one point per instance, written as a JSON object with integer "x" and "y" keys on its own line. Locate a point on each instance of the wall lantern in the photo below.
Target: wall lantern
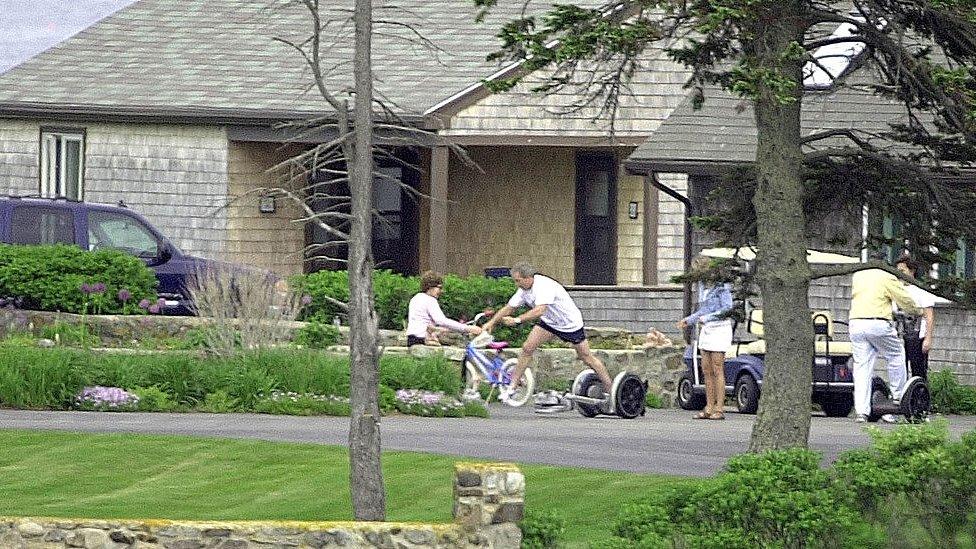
{"x": 266, "y": 204}
{"x": 632, "y": 210}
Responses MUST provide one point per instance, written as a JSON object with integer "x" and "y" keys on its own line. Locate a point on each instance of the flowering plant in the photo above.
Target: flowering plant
{"x": 301, "y": 404}
{"x": 428, "y": 403}
{"x": 102, "y": 399}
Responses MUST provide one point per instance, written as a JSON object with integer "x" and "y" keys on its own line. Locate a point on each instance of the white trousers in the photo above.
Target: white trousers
{"x": 870, "y": 338}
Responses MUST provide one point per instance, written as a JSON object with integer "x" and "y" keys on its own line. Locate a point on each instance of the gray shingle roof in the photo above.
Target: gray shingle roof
{"x": 203, "y": 55}
{"x": 723, "y": 132}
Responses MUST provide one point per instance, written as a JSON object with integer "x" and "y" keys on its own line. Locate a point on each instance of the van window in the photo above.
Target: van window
{"x": 41, "y": 225}
{"x": 113, "y": 230}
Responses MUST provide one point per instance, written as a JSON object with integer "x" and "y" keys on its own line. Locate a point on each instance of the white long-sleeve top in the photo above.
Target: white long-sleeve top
{"x": 424, "y": 311}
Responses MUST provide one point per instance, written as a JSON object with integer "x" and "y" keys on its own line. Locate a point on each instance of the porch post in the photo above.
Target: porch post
{"x": 437, "y": 239}
{"x": 651, "y": 219}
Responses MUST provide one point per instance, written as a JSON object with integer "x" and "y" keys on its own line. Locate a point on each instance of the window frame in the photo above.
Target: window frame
{"x": 48, "y": 186}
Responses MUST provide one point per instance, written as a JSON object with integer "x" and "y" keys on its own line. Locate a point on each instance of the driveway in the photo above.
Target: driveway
{"x": 664, "y": 441}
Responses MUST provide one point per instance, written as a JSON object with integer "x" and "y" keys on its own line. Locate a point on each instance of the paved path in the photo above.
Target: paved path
{"x": 664, "y": 441}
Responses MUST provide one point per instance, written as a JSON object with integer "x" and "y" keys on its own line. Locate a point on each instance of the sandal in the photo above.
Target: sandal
{"x": 702, "y": 415}
{"x": 716, "y": 415}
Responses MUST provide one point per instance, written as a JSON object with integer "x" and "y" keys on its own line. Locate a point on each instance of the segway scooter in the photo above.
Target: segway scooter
{"x": 915, "y": 402}
{"x": 626, "y": 398}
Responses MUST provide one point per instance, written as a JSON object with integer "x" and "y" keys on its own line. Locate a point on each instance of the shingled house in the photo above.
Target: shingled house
{"x": 707, "y": 144}
{"x": 172, "y": 106}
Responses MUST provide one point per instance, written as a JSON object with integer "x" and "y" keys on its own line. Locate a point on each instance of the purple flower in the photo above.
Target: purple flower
{"x": 124, "y": 295}
{"x": 306, "y": 299}
{"x": 154, "y": 309}
{"x": 160, "y": 302}
{"x": 144, "y": 304}
{"x": 86, "y": 288}
{"x": 98, "y": 287}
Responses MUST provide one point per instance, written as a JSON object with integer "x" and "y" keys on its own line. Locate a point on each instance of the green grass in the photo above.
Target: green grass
{"x": 142, "y": 476}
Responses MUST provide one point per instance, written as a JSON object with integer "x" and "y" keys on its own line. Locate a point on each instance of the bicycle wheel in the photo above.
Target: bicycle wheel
{"x": 470, "y": 375}
{"x": 524, "y": 391}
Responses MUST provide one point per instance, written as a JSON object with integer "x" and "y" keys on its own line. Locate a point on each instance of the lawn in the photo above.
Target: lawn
{"x": 142, "y": 476}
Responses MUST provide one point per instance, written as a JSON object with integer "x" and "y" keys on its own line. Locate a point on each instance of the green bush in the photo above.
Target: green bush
{"x": 461, "y": 299}
{"x": 317, "y": 335}
{"x": 50, "y": 378}
{"x": 49, "y": 278}
{"x": 653, "y": 400}
{"x": 542, "y": 530}
{"x": 949, "y": 397}
{"x": 154, "y": 399}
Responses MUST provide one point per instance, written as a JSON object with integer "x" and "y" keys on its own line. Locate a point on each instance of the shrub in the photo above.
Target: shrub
{"x": 50, "y": 278}
{"x": 219, "y": 402}
{"x": 949, "y": 396}
{"x": 302, "y": 404}
{"x": 542, "y": 530}
{"x": 475, "y": 408}
{"x": 153, "y": 399}
{"x": 653, "y": 400}
{"x": 317, "y": 335}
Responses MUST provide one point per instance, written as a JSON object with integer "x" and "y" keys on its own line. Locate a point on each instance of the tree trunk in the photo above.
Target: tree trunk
{"x": 365, "y": 471}
{"x": 782, "y": 270}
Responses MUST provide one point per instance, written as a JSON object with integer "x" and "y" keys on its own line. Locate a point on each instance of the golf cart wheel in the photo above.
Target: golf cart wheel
{"x": 687, "y": 398}
{"x": 880, "y": 394}
{"x": 630, "y": 397}
{"x": 916, "y": 401}
{"x": 746, "y": 394}
{"x": 590, "y": 385}
{"x": 524, "y": 391}
{"x": 837, "y": 405}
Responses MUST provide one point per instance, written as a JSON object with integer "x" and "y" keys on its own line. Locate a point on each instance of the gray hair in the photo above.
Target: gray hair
{"x": 524, "y": 269}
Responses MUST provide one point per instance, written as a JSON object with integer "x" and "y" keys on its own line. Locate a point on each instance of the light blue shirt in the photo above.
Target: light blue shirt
{"x": 714, "y": 303}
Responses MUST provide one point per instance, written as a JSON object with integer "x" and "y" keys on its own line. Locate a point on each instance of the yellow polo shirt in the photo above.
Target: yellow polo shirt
{"x": 874, "y": 290}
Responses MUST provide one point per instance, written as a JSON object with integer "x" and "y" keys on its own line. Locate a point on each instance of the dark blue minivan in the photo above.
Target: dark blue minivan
{"x": 96, "y": 226}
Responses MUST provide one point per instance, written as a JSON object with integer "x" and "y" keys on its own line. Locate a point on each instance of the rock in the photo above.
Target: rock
{"x": 468, "y": 479}
{"x": 55, "y": 535}
{"x": 514, "y": 483}
{"x": 89, "y": 538}
{"x": 12, "y": 540}
{"x": 419, "y": 537}
{"x": 30, "y": 529}
{"x": 45, "y": 343}
{"x": 508, "y": 512}
{"x": 122, "y": 536}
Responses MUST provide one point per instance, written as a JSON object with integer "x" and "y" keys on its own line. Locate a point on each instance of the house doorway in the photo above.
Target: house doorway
{"x": 596, "y": 215}
{"x": 396, "y": 217}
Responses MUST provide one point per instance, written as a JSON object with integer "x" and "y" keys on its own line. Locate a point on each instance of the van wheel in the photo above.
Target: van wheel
{"x": 687, "y": 398}
{"x": 747, "y": 394}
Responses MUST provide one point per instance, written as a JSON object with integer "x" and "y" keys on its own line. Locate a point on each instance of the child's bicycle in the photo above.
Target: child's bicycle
{"x": 482, "y": 362}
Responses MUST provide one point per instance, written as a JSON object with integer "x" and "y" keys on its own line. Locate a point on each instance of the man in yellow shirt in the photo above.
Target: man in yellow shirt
{"x": 873, "y": 333}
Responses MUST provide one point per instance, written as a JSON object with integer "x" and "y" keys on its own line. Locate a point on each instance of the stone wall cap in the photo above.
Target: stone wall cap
{"x": 482, "y": 467}
{"x": 244, "y": 525}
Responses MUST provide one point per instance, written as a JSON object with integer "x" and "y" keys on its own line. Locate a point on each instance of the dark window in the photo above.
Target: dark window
{"x": 40, "y": 225}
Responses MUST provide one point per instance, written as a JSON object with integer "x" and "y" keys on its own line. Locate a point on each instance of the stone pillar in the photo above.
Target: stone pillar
{"x": 489, "y": 500}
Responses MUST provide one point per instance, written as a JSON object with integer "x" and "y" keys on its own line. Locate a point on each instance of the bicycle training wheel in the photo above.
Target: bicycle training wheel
{"x": 524, "y": 391}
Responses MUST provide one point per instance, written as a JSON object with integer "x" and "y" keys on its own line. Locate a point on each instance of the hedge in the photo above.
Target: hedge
{"x": 51, "y": 278}
{"x": 462, "y": 298}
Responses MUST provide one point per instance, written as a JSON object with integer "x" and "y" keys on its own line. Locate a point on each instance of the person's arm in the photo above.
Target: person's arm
{"x": 929, "y": 313}
{"x": 440, "y": 319}
{"x": 528, "y": 316}
{"x": 901, "y": 297}
{"x": 503, "y": 312}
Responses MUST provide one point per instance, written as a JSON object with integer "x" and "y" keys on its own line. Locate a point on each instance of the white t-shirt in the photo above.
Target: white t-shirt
{"x": 561, "y": 314}
{"x": 924, "y": 300}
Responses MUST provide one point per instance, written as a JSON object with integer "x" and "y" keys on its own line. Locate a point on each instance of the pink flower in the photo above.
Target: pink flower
{"x": 124, "y": 295}
{"x": 154, "y": 309}
{"x": 144, "y": 304}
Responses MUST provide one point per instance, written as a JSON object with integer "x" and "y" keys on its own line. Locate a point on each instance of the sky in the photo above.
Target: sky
{"x": 28, "y": 27}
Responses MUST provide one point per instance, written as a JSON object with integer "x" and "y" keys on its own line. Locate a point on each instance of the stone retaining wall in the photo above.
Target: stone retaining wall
{"x": 488, "y": 502}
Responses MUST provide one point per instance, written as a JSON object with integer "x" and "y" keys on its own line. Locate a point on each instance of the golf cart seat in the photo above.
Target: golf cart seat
{"x": 823, "y": 327}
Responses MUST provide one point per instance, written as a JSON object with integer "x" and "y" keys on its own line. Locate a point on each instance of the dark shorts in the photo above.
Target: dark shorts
{"x": 575, "y": 337}
{"x": 414, "y": 340}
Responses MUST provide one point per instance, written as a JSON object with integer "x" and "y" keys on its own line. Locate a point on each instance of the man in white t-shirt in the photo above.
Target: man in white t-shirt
{"x": 917, "y": 335}
{"x": 556, "y": 315}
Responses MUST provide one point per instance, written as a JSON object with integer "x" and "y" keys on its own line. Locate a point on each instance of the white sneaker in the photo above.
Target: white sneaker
{"x": 505, "y": 395}
{"x": 861, "y": 418}
{"x": 889, "y": 418}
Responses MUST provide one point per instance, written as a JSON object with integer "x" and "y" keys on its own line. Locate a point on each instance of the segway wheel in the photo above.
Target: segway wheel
{"x": 916, "y": 401}
{"x": 629, "y": 398}
{"x": 588, "y": 384}
{"x": 880, "y": 394}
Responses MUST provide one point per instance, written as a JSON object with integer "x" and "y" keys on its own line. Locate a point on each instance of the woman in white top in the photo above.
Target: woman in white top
{"x": 424, "y": 314}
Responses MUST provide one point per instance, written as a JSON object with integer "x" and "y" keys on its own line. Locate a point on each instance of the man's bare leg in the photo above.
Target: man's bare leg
{"x": 583, "y": 353}
{"x": 537, "y": 337}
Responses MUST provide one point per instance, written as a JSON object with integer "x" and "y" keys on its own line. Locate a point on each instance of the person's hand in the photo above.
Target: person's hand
{"x": 511, "y": 320}
{"x": 682, "y": 324}
{"x": 926, "y": 345}
{"x": 474, "y": 330}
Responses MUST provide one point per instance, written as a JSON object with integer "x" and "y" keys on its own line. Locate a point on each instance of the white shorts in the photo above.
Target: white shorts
{"x": 716, "y": 336}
